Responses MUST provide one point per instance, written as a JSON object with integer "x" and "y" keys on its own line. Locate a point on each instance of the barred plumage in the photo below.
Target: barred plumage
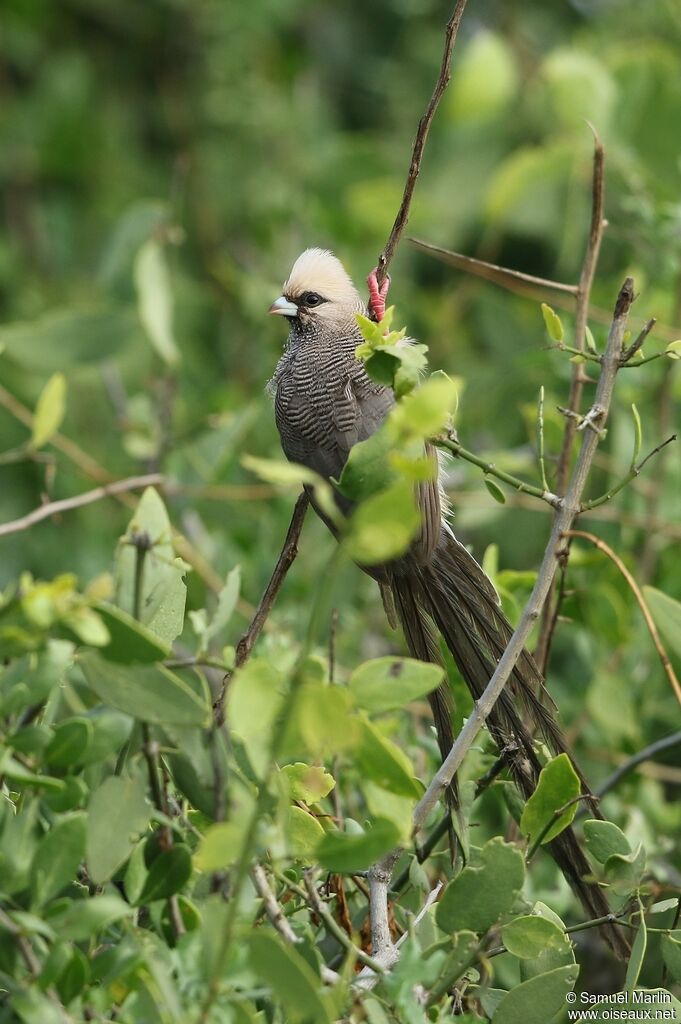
{"x": 324, "y": 403}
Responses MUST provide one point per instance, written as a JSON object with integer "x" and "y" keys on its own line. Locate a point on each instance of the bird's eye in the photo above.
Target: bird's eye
{"x": 311, "y": 299}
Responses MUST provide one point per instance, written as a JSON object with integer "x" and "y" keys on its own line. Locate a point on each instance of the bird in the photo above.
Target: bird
{"x": 324, "y": 403}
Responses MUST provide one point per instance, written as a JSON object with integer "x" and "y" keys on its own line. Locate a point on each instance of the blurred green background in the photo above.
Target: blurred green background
{"x": 215, "y": 140}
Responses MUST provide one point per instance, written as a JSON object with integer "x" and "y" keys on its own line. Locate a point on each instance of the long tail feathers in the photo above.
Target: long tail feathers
{"x": 454, "y": 593}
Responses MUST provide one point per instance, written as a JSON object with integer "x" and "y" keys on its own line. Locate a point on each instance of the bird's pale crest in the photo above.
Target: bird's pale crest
{"x": 318, "y": 270}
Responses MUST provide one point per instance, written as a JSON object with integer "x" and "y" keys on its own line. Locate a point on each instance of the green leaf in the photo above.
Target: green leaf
{"x": 495, "y": 490}
{"x": 290, "y": 977}
{"x": 673, "y": 349}
{"x": 664, "y": 905}
{"x": 553, "y": 955}
{"x": 227, "y": 599}
{"x": 478, "y": 897}
{"x": 398, "y": 809}
{"x": 151, "y": 693}
{"x": 81, "y": 919}
{"x": 307, "y": 782}
{"x": 18, "y": 772}
{"x": 130, "y": 641}
{"x": 155, "y": 301}
{"x": 33, "y": 1007}
{"x": 323, "y": 718}
{"x": 538, "y": 1000}
{"x": 57, "y": 858}
{"x": 110, "y": 731}
{"x": 74, "y": 977}
{"x": 667, "y": 615}
{"x": 50, "y": 410}
{"x": 291, "y": 474}
{"x": 18, "y": 846}
{"x": 671, "y": 954}
{"x": 168, "y": 873}
{"x": 253, "y": 701}
{"x": 554, "y": 326}
{"x": 220, "y": 846}
{"x": 39, "y": 673}
{"x": 368, "y": 469}
{"x": 558, "y": 785}
{"x": 70, "y": 743}
{"x": 384, "y": 684}
{"x": 162, "y": 591}
{"x": 426, "y": 410}
{"x": 384, "y": 525}
{"x": 303, "y": 833}
{"x": 465, "y": 946}
{"x": 55, "y": 962}
{"x": 486, "y": 78}
{"x": 638, "y": 952}
{"x": 383, "y": 762}
{"x": 346, "y": 853}
{"x": 603, "y": 839}
{"x": 625, "y": 871}
{"x": 528, "y": 936}
{"x": 118, "y": 811}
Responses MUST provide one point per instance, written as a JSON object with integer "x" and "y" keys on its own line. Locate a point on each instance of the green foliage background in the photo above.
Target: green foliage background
{"x": 176, "y": 156}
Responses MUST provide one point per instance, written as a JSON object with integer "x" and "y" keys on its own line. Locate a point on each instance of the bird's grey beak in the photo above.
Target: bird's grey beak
{"x": 283, "y": 307}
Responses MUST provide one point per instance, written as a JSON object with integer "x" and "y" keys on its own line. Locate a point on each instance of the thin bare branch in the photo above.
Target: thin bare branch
{"x": 631, "y": 475}
{"x": 385, "y": 259}
{"x": 503, "y": 276}
{"x": 284, "y": 563}
{"x": 630, "y": 352}
{"x": 562, "y": 295}
{"x": 74, "y": 452}
{"x": 23, "y": 944}
{"x": 271, "y": 906}
{"x": 382, "y": 945}
{"x": 647, "y": 754}
{"x": 332, "y": 926}
{"x": 367, "y": 977}
{"x": 451, "y": 444}
{"x": 94, "y": 471}
{"x": 638, "y": 594}
{"x": 549, "y": 618}
{"x": 53, "y": 508}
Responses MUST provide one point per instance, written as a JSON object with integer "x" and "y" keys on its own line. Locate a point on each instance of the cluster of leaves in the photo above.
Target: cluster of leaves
{"x": 131, "y": 821}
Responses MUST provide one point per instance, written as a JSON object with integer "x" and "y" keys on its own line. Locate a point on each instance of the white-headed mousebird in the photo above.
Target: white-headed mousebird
{"x": 324, "y": 403}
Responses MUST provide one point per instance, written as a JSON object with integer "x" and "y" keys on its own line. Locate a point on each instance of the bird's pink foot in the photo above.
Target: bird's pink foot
{"x": 377, "y": 294}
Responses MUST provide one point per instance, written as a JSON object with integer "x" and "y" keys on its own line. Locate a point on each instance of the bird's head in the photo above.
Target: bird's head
{"x": 318, "y": 294}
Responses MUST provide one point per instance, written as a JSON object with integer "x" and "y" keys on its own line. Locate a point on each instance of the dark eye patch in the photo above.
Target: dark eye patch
{"x": 311, "y": 299}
